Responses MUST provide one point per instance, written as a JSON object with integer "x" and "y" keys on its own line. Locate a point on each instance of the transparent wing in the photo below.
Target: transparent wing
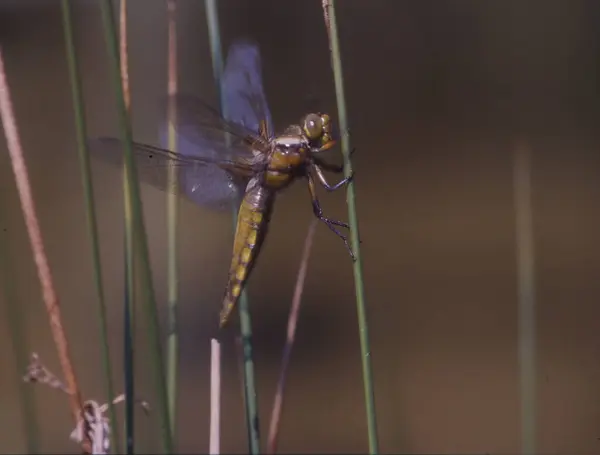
{"x": 245, "y": 106}
{"x": 216, "y": 156}
{"x": 203, "y": 132}
{"x": 242, "y": 87}
{"x": 204, "y": 181}
{"x": 204, "y": 128}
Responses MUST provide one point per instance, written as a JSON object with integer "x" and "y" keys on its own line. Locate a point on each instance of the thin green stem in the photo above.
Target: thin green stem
{"x": 365, "y": 348}
{"x": 88, "y": 191}
{"x": 172, "y": 218}
{"x": 252, "y": 420}
{"x": 129, "y": 258}
{"x": 128, "y": 341}
{"x": 140, "y": 238}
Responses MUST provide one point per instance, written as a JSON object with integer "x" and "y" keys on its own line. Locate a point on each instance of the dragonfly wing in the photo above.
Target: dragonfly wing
{"x": 206, "y": 182}
{"x": 203, "y": 133}
{"x": 209, "y": 186}
{"x": 242, "y": 89}
{"x": 204, "y": 127}
{"x": 214, "y": 159}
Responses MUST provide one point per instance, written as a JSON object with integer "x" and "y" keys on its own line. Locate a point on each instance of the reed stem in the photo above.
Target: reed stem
{"x": 32, "y": 224}
{"x": 215, "y": 397}
{"x": 289, "y": 342}
{"x": 172, "y": 218}
{"x": 526, "y": 295}
{"x": 88, "y": 191}
{"x": 140, "y": 239}
{"x": 252, "y": 419}
{"x": 130, "y": 258}
{"x": 363, "y": 329}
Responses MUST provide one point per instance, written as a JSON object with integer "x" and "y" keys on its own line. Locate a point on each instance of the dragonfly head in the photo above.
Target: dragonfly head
{"x": 318, "y": 130}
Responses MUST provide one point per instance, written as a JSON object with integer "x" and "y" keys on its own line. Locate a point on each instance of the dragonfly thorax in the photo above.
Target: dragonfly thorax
{"x": 288, "y": 157}
{"x": 290, "y": 141}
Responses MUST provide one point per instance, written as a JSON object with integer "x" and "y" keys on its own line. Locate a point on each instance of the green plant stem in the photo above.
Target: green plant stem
{"x": 129, "y": 258}
{"x": 172, "y": 218}
{"x": 252, "y": 420}
{"x": 140, "y": 238}
{"x": 86, "y": 174}
{"x": 128, "y": 335}
{"x": 365, "y": 348}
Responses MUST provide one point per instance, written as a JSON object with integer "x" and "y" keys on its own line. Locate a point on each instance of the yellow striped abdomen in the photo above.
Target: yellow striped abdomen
{"x": 252, "y": 224}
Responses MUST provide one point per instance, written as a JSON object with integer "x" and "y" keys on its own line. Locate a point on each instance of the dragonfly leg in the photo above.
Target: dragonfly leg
{"x": 327, "y": 166}
{"x": 318, "y": 211}
{"x": 330, "y": 167}
{"x": 324, "y": 182}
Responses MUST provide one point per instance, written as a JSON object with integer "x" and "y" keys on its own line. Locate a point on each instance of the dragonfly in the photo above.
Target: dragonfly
{"x": 236, "y": 158}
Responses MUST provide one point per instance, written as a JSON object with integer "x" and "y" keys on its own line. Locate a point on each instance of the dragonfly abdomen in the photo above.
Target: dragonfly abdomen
{"x": 252, "y": 224}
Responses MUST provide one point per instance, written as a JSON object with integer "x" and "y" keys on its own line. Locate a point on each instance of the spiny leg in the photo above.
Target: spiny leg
{"x": 328, "y": 166}
{"x": 336, "y": 169}
{"x": 326, "y": 184}
{"x": 318, "y": 211}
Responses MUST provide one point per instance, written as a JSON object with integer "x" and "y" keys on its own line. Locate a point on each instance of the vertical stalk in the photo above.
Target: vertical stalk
{"x": 215, "y": 397}
{"x": 275, "y": 423}
{"x": 363, "y": 329}
{"x": 86, "y": 177}
{"x": 129, "y": 257}
{"x": 147, "y": 287}
{"x": 172, "y": 218}
{"x": 32, "y": 224}
{"x": 252, "y": 420}
{"x": 526, "y": 296}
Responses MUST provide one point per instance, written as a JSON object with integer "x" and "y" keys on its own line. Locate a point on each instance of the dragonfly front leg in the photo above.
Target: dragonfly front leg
{"x": 318, "y": 211}
{"x": 330, "y": 167}
{"x": 324, "y": 182}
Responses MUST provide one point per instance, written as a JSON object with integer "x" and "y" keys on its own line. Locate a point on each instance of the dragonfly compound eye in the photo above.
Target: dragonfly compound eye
{"x": 326, "y": 123}
{"x": 313, "y": 126}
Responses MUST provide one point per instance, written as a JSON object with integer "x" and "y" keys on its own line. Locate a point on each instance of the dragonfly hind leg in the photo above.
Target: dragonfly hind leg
{"x": 318, "y": 211}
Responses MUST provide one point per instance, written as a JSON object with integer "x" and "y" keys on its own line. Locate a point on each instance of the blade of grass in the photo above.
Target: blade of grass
{"x": 129, "y": 257}
{"x": 141, "y": 242}
{"x": 88, "y": 191}
{"x": 128, "y": 363}
{"x": 289, "y": 342}
{"x": 252, "y": 420}
{"x": 526, "y": 295}
{"x": 336, "y": 63}
{"x": 172, "y": 218}
{"x": 50, "y": 297}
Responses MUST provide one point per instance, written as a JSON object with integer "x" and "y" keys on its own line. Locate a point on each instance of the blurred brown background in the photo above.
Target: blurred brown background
{"x": 438, "y": 95}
